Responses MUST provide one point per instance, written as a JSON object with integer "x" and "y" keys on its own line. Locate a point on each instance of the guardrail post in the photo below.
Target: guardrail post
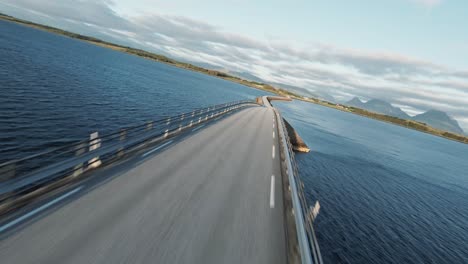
{"x": 94, "y": 143}
{"x": 191, "y": 120}
{"x": 149, "y": 125}
{"x": 315, "y": 210}
{"x": 123, "y": 135}
{"x": 166, "y": 133}
{"x": 7, "y": 172}
{"x": 181, "y": 120}
{"x": 78, "y": 169}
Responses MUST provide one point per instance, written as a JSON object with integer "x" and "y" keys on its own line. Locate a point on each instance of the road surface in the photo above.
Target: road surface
{"x": 212, "y": 197}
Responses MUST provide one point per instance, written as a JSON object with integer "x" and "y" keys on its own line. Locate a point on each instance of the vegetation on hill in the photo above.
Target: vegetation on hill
{"x": 152, "y": 56}
{"x": 413, "y": 124}
{"x": 258, "y": 85}
{"x": 433, "y": 118}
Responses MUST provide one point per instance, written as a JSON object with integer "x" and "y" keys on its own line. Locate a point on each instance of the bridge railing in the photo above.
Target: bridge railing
{"x": 19, "y": 176}
{"x": 308, "y": 245}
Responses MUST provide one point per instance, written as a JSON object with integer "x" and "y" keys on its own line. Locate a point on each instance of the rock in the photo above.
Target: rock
{"x": 296, "y": 141}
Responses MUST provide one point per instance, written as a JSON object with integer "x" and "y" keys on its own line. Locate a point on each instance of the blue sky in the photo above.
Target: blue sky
{"x": 412, "y": 53}
{"x": 428, "y": 29}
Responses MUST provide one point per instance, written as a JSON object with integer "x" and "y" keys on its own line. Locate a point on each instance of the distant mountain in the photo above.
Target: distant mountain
{"x": 202, "y": 64}
{"x": 356, "y": 102}
{"x": 298, "y": 90}
{"x": 295, "y": 89}
{"x": 439, "y": 120}
{"x": 434, "y": 118}
{"x": 386, "y": 108}
{"x": 379, "y": 106}
{"x": 251, "y": 77}
{"x": 325, "y": 96}
{"x": 305, "y": 92}
{"x": 247, "y": 76}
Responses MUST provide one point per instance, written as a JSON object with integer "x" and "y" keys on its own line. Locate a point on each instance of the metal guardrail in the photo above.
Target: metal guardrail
{"x": 308, "y": 245}
{"x": 19, "y": 176}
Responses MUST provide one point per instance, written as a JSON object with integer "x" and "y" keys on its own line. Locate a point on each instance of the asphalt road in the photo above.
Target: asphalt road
{"x": 213, "y": 197}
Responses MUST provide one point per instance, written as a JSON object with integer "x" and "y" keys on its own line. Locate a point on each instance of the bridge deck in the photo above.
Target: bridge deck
{"x": 205, "y": 199}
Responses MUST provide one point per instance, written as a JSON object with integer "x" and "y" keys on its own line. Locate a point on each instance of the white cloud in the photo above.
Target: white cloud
{"x": 416, "y": 84}
{"x": 428, "y": 3}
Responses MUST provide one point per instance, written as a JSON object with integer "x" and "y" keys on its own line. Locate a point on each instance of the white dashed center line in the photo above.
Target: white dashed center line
{"x": 272, "y": 192}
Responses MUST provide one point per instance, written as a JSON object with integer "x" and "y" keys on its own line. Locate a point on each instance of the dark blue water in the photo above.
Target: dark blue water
{"x": 388, "y": 194}
{"x": 55, "y": 89}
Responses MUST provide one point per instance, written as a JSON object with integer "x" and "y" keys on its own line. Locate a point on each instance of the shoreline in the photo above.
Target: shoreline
{"x": 381, "y": 117}
{"x": 147, "y": 55}
{"x": 421, "y": 127}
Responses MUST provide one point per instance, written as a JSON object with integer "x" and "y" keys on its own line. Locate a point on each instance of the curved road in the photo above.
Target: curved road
{"x": 212, "y": 197}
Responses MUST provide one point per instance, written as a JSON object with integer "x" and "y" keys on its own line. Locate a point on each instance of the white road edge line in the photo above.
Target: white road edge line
{"x": 153, "y": 150}
{"x": 273, "y": 134}
{"x": 272, "y": 192}
{"x": 37, "y": 210}
{"x": 273, "y": 125}
{"x": 195, "y": 129}
{"x": 273, "y": 152}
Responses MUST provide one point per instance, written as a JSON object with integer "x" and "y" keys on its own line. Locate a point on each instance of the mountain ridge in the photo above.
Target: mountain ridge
{"x": 432, "y": 117}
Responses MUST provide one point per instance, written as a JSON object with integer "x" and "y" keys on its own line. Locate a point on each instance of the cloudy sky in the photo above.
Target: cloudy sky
{"x": 412, "y": 53}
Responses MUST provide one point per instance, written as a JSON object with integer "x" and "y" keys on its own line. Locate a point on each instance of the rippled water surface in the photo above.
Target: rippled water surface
{"x": 55, "y": 89}
{"x": 388, "y": 194}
